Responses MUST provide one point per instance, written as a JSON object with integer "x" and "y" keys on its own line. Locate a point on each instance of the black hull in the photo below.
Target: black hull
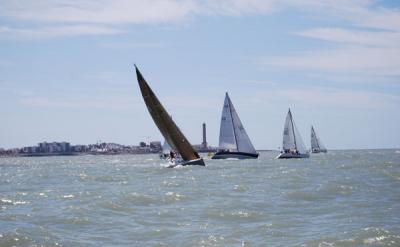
{"x": 235, "y": 155}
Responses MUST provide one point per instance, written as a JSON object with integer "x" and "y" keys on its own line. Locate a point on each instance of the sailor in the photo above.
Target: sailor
{"x": 171, "y": 154}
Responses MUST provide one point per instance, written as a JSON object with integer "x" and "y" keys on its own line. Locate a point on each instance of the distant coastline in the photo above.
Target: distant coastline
{"x": 45, "y": 149}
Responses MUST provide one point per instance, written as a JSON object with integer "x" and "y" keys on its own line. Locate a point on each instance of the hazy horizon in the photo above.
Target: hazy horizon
{"x": 66, "y": 69}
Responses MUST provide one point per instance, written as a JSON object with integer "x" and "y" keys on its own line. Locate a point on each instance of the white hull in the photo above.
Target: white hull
{"x": 292, "y": 156}
{"x": 196, "y": 162}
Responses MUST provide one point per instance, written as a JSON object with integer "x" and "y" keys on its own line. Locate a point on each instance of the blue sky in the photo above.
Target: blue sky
{"x": 66, "y": 69}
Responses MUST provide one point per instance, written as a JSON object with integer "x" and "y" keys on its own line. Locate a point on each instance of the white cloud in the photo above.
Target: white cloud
{"x": 50, "y": 32}
{"x": 117, "y": 12}
{"x": 366, "y": 38}
{"x": 368, "y": 49}
{"x": 131, "y": 45}
{"x": 159, "y": 11}
{"x": 236, "y": 7}
{"x": 102, "y": 11}
{"x": 115, "y": 103}
{"x": 327, "y": 97}
{"x": 368, "y": 61}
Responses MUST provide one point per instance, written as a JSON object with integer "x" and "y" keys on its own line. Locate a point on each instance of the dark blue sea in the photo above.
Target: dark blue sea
{"x": 342, "y": 198}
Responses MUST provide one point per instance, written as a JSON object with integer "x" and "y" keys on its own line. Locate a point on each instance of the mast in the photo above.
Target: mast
{"x": 294, "y": 136}
{"x": 233, "y": 124}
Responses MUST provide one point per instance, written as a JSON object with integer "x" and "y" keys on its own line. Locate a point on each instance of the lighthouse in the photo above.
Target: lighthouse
{"x": 204, "y": 143}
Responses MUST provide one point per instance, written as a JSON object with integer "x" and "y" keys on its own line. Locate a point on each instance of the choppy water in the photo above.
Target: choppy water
{"x": 343, "y": 198}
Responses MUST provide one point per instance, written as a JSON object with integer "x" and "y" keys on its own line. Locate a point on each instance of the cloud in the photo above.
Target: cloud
{"x": 116, "y": 103}
{"x": 367, "y": 49}
{"x": 131, "y": 45}
{"x": 236, "y": 7}
{"x": 327, "y": 97}
{"x": 347, "y": 36}
{"x": 51, "y": 32}
{"x": 102, "y": 11}
{"x": 122, "y": 12}
{"x": 368, "y": 61}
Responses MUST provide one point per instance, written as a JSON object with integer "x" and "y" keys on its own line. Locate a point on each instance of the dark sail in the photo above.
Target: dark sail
{"x": 164, "y": 122}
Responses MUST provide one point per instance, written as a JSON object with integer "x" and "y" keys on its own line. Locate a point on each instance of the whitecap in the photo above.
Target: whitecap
{"x": 42, "y": 194}
{"x": 174, "y": 195}
{"x": 4, "y": 201}
{"x": 375, "y": 239}
{"x": 20, "y": 202}
{"x": 68, "y": 196}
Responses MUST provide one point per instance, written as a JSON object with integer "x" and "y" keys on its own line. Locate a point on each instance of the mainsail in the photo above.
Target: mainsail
{"x": 232, "y": 134}
{"x": 291, "y": 136}
{"x": 316, "y": 142}
{"x": 164, "y": 122}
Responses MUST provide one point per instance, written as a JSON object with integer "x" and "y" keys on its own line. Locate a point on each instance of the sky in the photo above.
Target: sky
{"x": 66, "y": 69}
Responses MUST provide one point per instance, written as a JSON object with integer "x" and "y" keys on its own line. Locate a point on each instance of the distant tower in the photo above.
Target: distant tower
{"x": 204, "y": 143}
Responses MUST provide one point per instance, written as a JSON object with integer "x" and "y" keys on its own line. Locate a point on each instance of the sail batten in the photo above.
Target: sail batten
{"x": 164, "y": 122}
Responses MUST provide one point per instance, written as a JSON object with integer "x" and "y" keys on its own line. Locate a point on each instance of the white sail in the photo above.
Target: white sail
{"x": 316, "y": 143}
{"x": 166, "y": 148}
{"x": 227, "y": 139}
{"x": 232, "y": 133}
{"x": 291, "y": 136}
{"x": 301, "y": 147}
{"x": 289, "y": 142}
{"x": 242, "y": 139}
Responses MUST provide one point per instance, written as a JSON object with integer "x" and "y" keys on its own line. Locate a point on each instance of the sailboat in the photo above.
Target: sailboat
{"x": 316, "y": 144}
{"x": 293, "y": 146}
{"x": 167, "y": 126}
{"x": 233, "y": 139}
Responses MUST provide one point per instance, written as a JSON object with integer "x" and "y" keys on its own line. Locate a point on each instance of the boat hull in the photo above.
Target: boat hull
{"x": 292, "y": 156}
{"x": 319, "y": 151}
{"x": 234, "y": 155}
{"x": 195, "y": 162}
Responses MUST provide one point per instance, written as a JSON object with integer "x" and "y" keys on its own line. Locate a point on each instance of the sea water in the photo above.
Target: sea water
{"x": 342, "y": 198}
